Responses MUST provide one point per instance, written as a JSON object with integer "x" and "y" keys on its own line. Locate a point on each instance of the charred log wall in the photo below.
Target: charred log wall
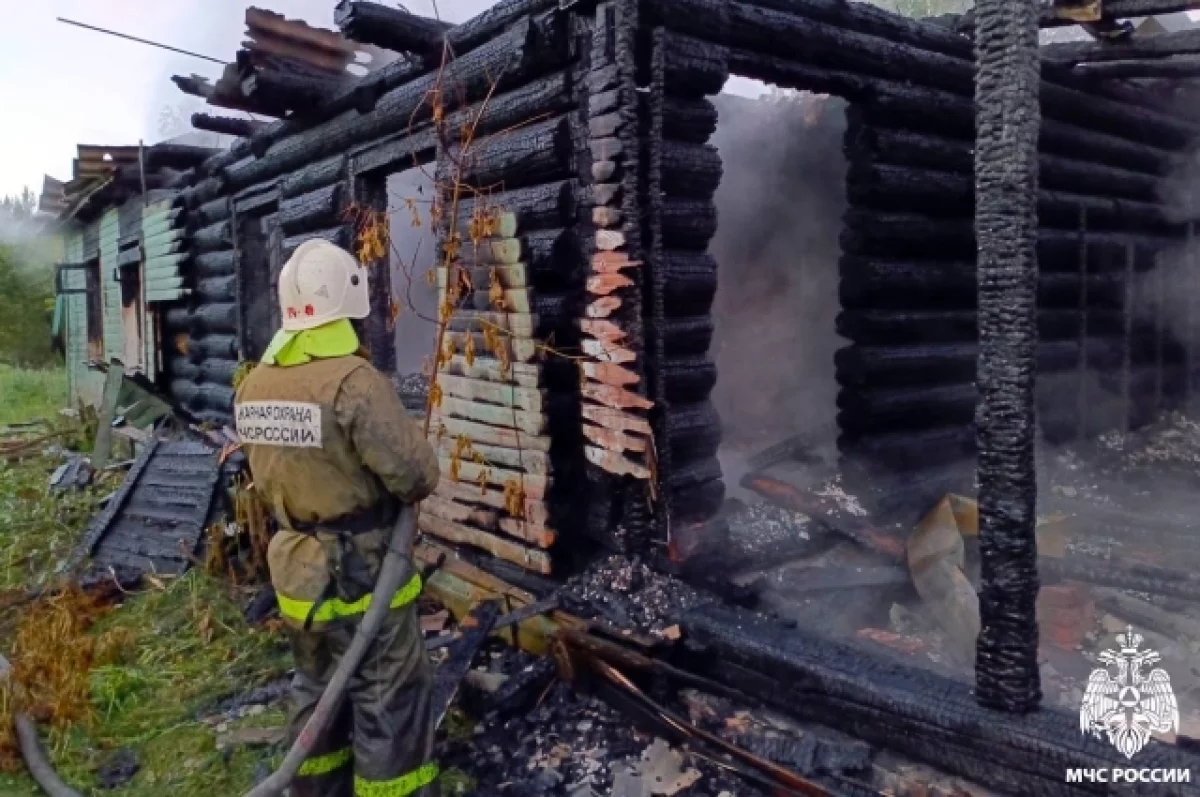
{"x": 907, "y": 380}
{"x": 506, "y": 414}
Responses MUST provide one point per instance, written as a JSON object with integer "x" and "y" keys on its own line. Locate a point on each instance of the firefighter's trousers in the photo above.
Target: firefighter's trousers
{"x": 380, "y": 743}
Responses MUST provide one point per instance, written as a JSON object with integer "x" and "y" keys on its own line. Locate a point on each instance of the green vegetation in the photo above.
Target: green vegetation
{"x": 27, "y": 301}
{"x": 140, "y": 677}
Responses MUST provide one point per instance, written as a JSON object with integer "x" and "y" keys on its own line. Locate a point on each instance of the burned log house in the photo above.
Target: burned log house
{"x": 586, "y": 302}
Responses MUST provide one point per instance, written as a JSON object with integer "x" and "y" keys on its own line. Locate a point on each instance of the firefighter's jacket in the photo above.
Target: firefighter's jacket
{"x": 329, "y": 440}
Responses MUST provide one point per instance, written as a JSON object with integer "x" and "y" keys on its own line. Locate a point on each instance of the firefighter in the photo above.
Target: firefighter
{"x": 334, "y": 455}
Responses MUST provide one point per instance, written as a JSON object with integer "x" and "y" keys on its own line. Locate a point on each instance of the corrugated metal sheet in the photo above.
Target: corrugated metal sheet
{"x": 110, "y": 297}
{"x": 164, "y": 249}
{"x": 155, "y": 520}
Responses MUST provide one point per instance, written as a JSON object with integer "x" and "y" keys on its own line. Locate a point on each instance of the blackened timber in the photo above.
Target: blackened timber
{"x": 888, "y": 102}
{"x": 514, "y": 159}
{"x": 390, "y": 28}
{"x": 907, "y": 326}
{"x": 892, "y": 409}
{"x": 688, "y": 222}
{"x": 226, "y": 125}
{"x": 899, "y": 187}
{"x": 542, "y": 205}
{"x": 314, "y": 176}
{"x": 915, "y": 450}
{"x": 911, "y": 148}
{"x": 694, "y": 430}
{"x": 214, "y": 211}
{"x": 1183, "y": 42}
{"x": 213, "y": 237}
{"x": 690, "y": 169}
{"x": 1179, "y": 67}
{"x": 318, "y": 209}
{"x": 503, "y": 61}
{"x": 688, "y": 335}
{"x": 483, "y": 27}
{"x": 206, "y": 190}
{"x": 690, "y": 281}
{"x": 213, "y": 317}
{"x": 690, "y": 120}
{"x": 282, "y": 85}
{"x": 217, "y": 289}
{"x": 872, "y": 697}
{"x": 688, "y": 379}
{"x": 223, "y": 347}
{"x": 537, "y": 99}
{"x": 212, "y": 264}
{"x": 218, "y": 371}
{"x": 914, "y": 285}
{"x": 940, "y": 363}
{"x": 692, "y": 68}
{"x": 338, "y": 236}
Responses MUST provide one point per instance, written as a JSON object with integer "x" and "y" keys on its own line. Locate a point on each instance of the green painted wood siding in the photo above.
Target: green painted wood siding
{"x": 85, "y": 385}
{"x": 110, "y": 296}
{"x": 165, "y": 253}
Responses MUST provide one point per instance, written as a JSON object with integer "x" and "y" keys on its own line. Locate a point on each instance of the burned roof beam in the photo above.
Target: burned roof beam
{"x": 1164, "y": 45}
{"x": 195, "y": 85}
{"x": 285, "y": 89}
{"x": 1178, "y": 67}
{"x": 390, "y": 28}
{"x": 227, "y": 125}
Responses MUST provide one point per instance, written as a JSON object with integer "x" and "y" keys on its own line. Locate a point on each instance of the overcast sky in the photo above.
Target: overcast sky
{"x": 61, "y": 85}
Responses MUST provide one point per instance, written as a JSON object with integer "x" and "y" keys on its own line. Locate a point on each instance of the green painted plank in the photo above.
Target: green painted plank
{"x": 114, "y": 345}
{"x": 165, "y": 295}
{"x": 160, "y": 283}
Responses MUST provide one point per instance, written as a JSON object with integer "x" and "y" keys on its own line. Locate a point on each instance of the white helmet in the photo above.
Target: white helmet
{"x": 320, "y": 283}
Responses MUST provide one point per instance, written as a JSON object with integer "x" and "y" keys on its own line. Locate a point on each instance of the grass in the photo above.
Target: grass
{"x": 30, "y": 394}
{"x": 153, "y": 666}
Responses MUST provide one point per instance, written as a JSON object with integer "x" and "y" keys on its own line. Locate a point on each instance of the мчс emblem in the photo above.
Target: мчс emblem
{"x": 1128, "y": 707}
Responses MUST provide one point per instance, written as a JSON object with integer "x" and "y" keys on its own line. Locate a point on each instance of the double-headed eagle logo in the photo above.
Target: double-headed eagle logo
{"x": 1129, "y": 707}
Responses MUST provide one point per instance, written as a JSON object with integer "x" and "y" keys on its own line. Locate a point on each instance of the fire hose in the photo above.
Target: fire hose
{"x": 392, "y": 573}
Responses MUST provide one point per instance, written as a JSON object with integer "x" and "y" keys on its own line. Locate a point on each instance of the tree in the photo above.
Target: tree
{"x": 20, "y": 207}
{"x": 26, "y": 306}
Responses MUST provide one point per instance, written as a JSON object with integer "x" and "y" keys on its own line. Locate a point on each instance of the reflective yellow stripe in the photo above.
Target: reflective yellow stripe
{"x": 324, "y": 764}
{"x": 334, "y": 609}
{"x": 397, "y": 787}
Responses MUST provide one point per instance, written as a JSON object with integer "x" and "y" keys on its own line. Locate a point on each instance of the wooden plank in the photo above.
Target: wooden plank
{"x": 610, "y": 374}
{"x": 606, "y": 352}
{"x": 604, "y": 284}
{"x": 529, "y": 399}
{"x": 608, "y": 240}
{"x": 528, "y": 422}
{"x": 612, "y": 262}
{"x": 429, "y": 551}
{"x": 604, "y": 331}
{"x": 533, "y": 533}
{"x": 535, "y": 462}
{"x": 514, "y": 276}
{"x": 612, "y": 396}
{"x": 532, "y": 510}
{"x": 492, "y": 251}
{"x": 491, "y": 370}
{"x": 613, "y": 440}
{"x": 521, "y": 350}
{"x": 452, "y": 510}
{"x": 506, "y": 436}
{"x": 602, "y": 307}
{"x": 515, "y": 300}
{"x": 494, "y": 222}
{"x": 529, "y": 558}
{"x": 533, "y": 485}
{"x": 520, "y": 325}
{"x": 616, "y": 420}
{"x": 615, "y": 463}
